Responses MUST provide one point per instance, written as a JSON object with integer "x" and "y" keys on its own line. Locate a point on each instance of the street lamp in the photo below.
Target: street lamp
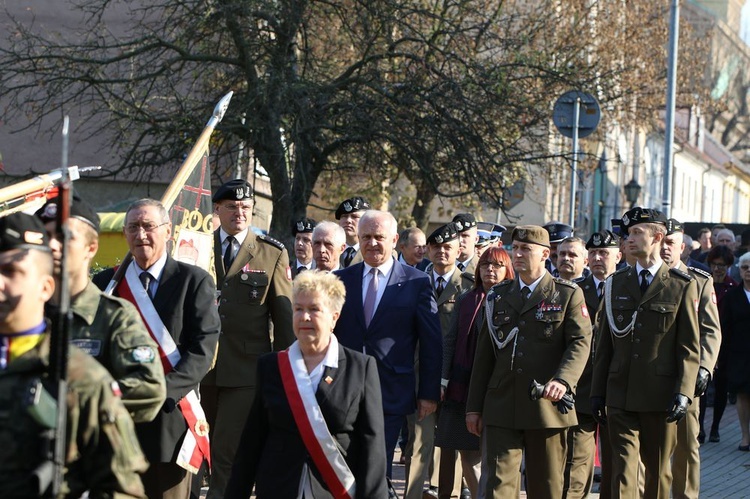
{"x": 632, "y": 191}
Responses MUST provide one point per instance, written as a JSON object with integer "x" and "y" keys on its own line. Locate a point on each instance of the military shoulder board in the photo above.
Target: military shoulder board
{"x": 701, "y": 272}
{"x": 271, "y": 240}
{"x": 682, "y": 274}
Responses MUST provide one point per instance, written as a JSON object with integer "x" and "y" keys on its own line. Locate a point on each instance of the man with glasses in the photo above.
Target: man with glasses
{"x": 178, "y": 304}
{"x": 254, "y": 281}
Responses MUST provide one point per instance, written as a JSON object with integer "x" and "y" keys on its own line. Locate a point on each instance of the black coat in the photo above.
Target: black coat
{"x": 186, "y": 303}
{"x": 735, "y": 326}
{"x": 271, "y": 452}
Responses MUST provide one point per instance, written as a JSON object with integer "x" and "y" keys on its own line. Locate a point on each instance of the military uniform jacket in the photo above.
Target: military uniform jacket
{"x": 583, "y": 402}
{"x": 446, "y": 302}
{"x": 643, "y": 370}
{"x": 708, "y": 317}
{"x": 103, "y": 454}
{"x": 553, "y": 342}
{"x": 255, "y": 290}
{"x": 111, "y": 330}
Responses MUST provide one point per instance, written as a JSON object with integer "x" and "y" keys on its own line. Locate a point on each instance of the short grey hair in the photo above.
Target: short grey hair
{"x": 150, "y": 202}
{"x": 337, "y": 233}
{"x": 380, "y": 215}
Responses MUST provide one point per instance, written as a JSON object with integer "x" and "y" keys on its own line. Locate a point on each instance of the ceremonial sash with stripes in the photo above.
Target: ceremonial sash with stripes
{"x": 195, "y": 446}
{"x": 318, "y": 440}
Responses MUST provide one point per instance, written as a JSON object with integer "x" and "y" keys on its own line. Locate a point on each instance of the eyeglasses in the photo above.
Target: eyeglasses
{"x": 718, "y": 265}
{"x": 744, "y": 267}
{"x": 146, "y": 226}
{"x": 237, "y": 207}
{"x": 492, "y": 265}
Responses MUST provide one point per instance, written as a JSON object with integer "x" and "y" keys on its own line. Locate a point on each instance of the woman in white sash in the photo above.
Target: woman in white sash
{"x": 316, "y": 426}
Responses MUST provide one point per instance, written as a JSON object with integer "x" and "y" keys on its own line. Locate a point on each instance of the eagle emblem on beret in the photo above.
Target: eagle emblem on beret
{"x": 625, "y": 220}
{"x": 522, "y": 233}
{"x": 459, "y": 225}
{"x": 597, "y": 240}
{"x": 439, "y": 239}
{"x": 300, "y": 225}
{"x": 347, "y": 206}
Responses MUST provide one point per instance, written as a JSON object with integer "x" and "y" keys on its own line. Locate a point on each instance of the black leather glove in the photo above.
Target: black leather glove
{"x": 679, "y": 408}
{"x": 701, "y": 382}
{"x": 598, "y": 410}
{"x": 566, "y": 403}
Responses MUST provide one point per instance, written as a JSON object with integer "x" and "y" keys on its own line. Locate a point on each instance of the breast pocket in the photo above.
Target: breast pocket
{"x": 255, "y": 286}
{"x": 547, "y": 323}
{"x": 664, "y": 314}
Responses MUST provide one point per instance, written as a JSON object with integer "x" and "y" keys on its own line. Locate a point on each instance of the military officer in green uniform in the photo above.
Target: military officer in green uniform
{"x": 686, "y": 462}
{"x": 646, "y": 360}
{"x": 254, "y": 281}
{"x": 103, "y": 456}
{"x": 106, "y": 327}
{"x": 603, "y": 256}
{"x": 537, "y": 328}
{"x": 468, "y": 236}
{"x": 348, "y": 214}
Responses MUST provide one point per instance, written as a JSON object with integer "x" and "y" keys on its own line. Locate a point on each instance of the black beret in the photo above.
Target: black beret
{"x": 558, "y": 232}
{"x": 443, "y": 234}
{"x": 303, "y": 225}
{"x": 531, "y": 234}
{"x": 234, "y": 190}
{"x": 464, "y": 221}
{"x": 356, "y": 203}
{"x": 640, "y": 215}
{"x": 603, "y": 239}
{"x": 79, "y": 209}
{"x": 674, "y": 226}
{"x": 20, "y": 230}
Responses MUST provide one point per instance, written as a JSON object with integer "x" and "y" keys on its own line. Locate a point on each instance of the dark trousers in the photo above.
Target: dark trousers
{"x": 166, "y": 481}
{"x": 393, "y": 424}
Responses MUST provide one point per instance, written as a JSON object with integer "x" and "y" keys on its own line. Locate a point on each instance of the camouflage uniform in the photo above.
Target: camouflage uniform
{"x": 110, "y": 330}
{"x": 103, "y": 454}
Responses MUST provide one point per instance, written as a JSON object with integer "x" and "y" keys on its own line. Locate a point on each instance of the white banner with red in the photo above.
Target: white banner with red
{"x": 312, "y": 426}
{"x": 195, "y": 446}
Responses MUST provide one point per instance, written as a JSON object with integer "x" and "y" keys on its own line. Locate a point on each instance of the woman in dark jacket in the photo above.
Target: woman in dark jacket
{"x": 459, "y": 346}
{"x": 316, "y": 427}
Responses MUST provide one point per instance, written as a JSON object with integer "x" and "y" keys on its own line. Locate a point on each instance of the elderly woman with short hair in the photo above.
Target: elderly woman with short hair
{"x": 316, "y": 427}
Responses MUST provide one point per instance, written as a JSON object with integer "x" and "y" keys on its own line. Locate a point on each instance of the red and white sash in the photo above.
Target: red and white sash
{"x": 195, "y": 446}
{"x": 312, "y": 426}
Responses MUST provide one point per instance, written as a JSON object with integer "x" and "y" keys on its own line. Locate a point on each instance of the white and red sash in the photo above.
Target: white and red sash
{"x": 318, "y": 440}
{"x": 195, "y": 446}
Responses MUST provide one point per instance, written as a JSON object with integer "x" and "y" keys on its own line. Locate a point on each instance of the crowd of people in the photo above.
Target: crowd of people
{"x": 300, "y": 378}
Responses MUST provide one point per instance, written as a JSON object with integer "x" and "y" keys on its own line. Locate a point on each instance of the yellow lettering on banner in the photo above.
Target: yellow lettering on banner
{"x": 195, "y": 221}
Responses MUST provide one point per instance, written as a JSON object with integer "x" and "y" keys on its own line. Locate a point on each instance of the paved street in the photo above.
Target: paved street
{"x": 725, "y": 471}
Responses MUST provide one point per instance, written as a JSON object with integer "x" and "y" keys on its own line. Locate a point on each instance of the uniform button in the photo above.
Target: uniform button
{"x": 635, "y": 356}
{"x": 519, "y": 370}
{"x": 521, "y": 338}
{"x": 639, "y": 325}
{"x": 223, "y": 300}
{"x": 519, "y": 354}
{"x": 637, "y": 340}
{"x": 640, "y": 309}
{"x": 521, "y": 323}
{"x": 226, "y": 284}
{"x": 223, "y": 316}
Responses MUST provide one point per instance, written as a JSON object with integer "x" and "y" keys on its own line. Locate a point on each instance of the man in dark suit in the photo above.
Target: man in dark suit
{"x": 303, "y": 250}
{"x": 647, "y": 358}
{"x": 390, "y": 310}
{"x": 603, "y": 256}
{"x": 254, "y": 279}
{"x": 348, "y": 214}
{"x": 539, "y": 330}
{"x": 187, "y": 326}
{"x": 412, "y": 248}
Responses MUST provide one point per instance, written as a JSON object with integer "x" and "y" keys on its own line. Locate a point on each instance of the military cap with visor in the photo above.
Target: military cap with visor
{"x": 603, "y": 239}
{"x": 532, "y": 234}
{"x": 22, "y": 231}
{"x": 443, "y": 234}
{"x": 235, "y": 190}
{"x": 356, "y": 203}
{"x": 79, "y": 209}
{"x": 558, "y": 231}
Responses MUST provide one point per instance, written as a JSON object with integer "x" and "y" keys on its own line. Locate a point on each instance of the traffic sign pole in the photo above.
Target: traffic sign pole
{"x": 574, "y": 175}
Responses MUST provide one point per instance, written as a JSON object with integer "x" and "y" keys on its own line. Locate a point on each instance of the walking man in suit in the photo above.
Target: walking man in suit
{"x": 686, "y": 462}
{"x": 254, "y": 279}
{"x": 603, "y": 256}
{"x": 646, "y": 360}
{"x": 348, "y": 214}
{"x": 328, "y": 241}
{"x": 303, "y": 251}
{"x": 389, "y": 313}
{"x": 178, "y": 303}
{"x": 537, "y": 328}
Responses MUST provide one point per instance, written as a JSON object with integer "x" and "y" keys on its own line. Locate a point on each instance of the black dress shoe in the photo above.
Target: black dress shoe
{"x": 714, "y": 436}
{"x": 744, "y": 448}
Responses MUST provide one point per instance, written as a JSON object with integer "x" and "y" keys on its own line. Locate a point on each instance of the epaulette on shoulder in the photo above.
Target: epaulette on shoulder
{"x": 700, "y": 272}
{"x": 271, "y": 240}
{"x": 468, "y": 275}
{"x": 622, "y": 270}
{"x": 681, "y": 273}
{"x": 560, "y": 280}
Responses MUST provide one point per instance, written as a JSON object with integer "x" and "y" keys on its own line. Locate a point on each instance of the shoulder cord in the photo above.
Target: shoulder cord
{"x": 618, "y": 333}
{"x": 489, "y": 311}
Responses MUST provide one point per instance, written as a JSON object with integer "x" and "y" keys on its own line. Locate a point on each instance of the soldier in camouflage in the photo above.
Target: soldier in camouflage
{"x": 106, "y": 327}
{"x": 103, "y": 456}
